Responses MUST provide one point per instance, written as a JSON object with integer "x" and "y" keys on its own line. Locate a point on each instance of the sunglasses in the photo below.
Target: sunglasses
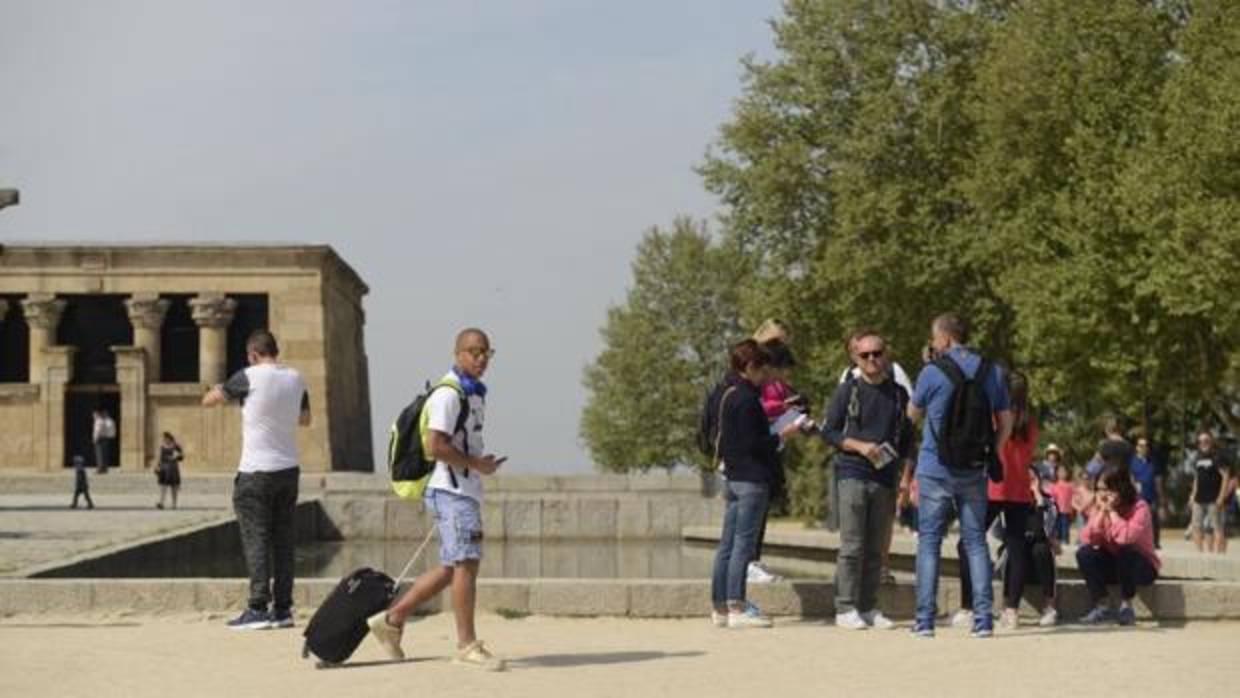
{"x": 867, "y": 355}
{"x": 479, "y": 353}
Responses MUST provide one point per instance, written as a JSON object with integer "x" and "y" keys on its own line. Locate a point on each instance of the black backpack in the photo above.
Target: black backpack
{"x": 408, "y": 464}
{"x": 966, "y": 439}
{"x": 707, "y": 437}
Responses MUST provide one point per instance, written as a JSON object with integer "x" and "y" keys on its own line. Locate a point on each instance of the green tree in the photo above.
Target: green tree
{"x": 663, "y": 348}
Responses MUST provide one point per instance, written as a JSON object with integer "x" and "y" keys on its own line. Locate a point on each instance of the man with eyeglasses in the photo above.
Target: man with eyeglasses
{"x": 454, "y": 496}
{"x": 867, "y": 424}
{"x": 1211, "y": 476}
{"x": 943, "y": 486}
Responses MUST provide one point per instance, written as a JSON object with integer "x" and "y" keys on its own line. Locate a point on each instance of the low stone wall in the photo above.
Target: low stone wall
{"x": 636, "y": 598}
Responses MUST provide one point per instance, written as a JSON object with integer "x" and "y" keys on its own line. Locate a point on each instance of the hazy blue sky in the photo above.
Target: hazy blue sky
{"x": 485, "y": 163}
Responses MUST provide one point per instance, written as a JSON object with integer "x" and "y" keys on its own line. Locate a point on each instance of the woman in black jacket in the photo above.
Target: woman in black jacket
{"x": 748, "y": 450}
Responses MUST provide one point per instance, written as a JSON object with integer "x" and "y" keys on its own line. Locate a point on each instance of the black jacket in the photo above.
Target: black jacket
{"x": 747, "y": 447}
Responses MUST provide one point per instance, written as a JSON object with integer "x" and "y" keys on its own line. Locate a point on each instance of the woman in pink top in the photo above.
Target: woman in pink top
{"x": 1117, "y": 546}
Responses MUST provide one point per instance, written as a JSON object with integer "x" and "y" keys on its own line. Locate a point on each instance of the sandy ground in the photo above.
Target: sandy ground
{"x": 195, "y": 656}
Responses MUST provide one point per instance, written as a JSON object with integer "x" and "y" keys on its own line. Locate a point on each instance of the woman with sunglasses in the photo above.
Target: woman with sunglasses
{"x": 1117, "y": 546}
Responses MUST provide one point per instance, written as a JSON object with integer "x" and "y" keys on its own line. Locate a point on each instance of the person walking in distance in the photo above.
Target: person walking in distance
{"x": 1211, "y": 475}
{"x": 866, "y": 422}
{"x": 274, "y": 401}
{"x": 454, "y": 496}
{"x": 103, "y": 436}
{"x": 964, "y": 400}
{"x": 168, "y": 474}
{"x": 81, "y": 483}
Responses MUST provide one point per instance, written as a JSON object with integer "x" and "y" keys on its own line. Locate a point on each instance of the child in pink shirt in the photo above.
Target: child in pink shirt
{"x": 1117, "y": 546}
{"x": 1062, "y": 491}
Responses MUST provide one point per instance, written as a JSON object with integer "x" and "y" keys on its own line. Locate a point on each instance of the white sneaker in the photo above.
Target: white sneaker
{"x": 757, "y": 573}
{"x": 1050, "y": 618}
{"x": 386, "y": 634}
{"x": 962, "y": 619}
{"x": 1010, "y": 619}
{"x": 717, "y": 619}
{"x": 738, "y": 620}
{"x": 850, "y": 621}
{"x": 875, "y": 619}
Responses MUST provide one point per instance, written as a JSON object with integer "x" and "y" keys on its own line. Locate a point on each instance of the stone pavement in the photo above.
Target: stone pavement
{"x": 189, "y": 656}
{"x": 40, "y": 529}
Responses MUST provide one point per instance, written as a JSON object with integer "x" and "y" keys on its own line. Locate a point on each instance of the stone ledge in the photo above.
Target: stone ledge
{"x": 1178, "y": 565}
{"x": 636, "y": 598}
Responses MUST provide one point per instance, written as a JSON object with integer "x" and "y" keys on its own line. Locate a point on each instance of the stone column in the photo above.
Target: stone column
{"x": 146, "y": 313}
{"x": 43, "y": 311}
{"x": 131, "y": 428}
{"x": 49, "y": 421}
{"x": 213, "y": 313}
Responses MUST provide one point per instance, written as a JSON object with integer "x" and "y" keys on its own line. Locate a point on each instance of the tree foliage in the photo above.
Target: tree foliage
{"x": 1063, "y": 173}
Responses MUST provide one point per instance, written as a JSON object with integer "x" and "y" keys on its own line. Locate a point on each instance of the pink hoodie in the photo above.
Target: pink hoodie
{"x": 773, "y": 395}
{"x": 1136, "y": 529}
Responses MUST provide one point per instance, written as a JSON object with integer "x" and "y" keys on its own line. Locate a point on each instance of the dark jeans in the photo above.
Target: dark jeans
{"x": 80, "y": 492}
{"x": 1128, "y": 568}
{"x": 264, "y": 503}
{"x": 866, "y": 512}
{"x": 746, "y": 507}
{"x": 1027, "y": 560}
{"x": 937, "y": 499}
{"x": 1063, "y": 527}
{"x": 103, "y": 454}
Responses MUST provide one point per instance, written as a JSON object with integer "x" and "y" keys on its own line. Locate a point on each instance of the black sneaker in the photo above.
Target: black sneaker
{"x": 251, "y": 619}
{"x": 282, "y": 618}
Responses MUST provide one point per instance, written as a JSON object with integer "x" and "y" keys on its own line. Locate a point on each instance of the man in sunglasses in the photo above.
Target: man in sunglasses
{"x": 867, "y": 424}
{"x": 945, "y": 486}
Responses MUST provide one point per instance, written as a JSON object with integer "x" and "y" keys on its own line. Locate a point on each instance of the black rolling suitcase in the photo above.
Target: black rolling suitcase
{"x": 339, "y": 625}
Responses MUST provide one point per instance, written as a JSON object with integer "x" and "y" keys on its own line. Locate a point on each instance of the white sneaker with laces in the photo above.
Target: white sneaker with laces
{"x": 851, "y": 620}
{"x": 1050, "y": 618}
{"x": 963, "y": 618}
{"x": 386, "y": 634}
{"x": 719, "y": 620}
{"x": 739, "y": 620}
{"x": 757, "y": 573}
{"x": 1010, "y": 619}
{"x": 875, "y": 619}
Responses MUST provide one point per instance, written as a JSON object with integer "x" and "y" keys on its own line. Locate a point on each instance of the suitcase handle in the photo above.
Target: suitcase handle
{"x": 416, "y": 554}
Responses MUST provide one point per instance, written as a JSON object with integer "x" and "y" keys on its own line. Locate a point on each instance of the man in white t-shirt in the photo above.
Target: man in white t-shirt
{"x": 274, "y": 401}
{"x": 103, "y": 437}
{"x": 454, "y": 496}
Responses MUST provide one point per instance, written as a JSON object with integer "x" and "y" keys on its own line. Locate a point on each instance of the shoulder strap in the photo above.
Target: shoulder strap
{"x": 719, "y": 422}
{"x": 852, "y": 415}
{"x": 461, "y": 417}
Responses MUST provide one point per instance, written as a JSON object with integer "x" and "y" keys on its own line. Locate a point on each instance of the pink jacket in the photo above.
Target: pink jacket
{"x": 773, "y": 395}
{"x": 1136, "y": 529}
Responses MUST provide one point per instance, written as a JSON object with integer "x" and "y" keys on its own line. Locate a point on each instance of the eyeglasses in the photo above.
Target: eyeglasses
{"x": 867, "y": 355}
{"x": 478, "y": 352}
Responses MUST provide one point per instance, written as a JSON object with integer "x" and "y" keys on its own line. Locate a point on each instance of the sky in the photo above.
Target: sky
{"x": 478, "y": 163}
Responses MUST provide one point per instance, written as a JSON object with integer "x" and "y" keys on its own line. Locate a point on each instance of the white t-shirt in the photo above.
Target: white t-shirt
{"x": 272, "y": 398}
{"x": 443, "y": 408}
{"x": 897, "y": 374}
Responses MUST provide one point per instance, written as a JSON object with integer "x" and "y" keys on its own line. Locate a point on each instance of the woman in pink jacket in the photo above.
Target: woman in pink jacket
{"x": 1117, "y": 546}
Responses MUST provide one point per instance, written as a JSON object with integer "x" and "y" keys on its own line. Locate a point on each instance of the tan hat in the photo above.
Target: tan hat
{"x": 1054, "y": 448}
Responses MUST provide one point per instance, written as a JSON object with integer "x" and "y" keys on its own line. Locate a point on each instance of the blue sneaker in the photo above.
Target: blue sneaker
{"x": 1099, "y": 616}
{"x": 251, "y": 619}
{"x": 983, "y": 627}
{"x": 923, "y": 630}
{"x": 282, "y": 618}
{"x": 752, "y": 610}
{"x": 1126, "y": 616}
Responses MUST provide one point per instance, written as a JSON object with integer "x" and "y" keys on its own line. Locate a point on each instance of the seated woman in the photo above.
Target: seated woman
{"x": 749, "y": 452}
{"x": 1117, "y": 546}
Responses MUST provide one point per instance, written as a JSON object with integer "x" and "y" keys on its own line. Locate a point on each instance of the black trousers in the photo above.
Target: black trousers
{"x": 265, "y": 505}
{"x": 1128, "y": 568}
{"x": 1029, "y": 557}
{"x": 80, "y": 492}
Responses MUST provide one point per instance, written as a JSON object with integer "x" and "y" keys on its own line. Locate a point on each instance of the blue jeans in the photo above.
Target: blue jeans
{"x": 738, "y": 542}
{"x": 937, "y": 497}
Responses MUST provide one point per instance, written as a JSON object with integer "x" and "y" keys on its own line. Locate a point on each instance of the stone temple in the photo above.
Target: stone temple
{"x": 142, "y": 331}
